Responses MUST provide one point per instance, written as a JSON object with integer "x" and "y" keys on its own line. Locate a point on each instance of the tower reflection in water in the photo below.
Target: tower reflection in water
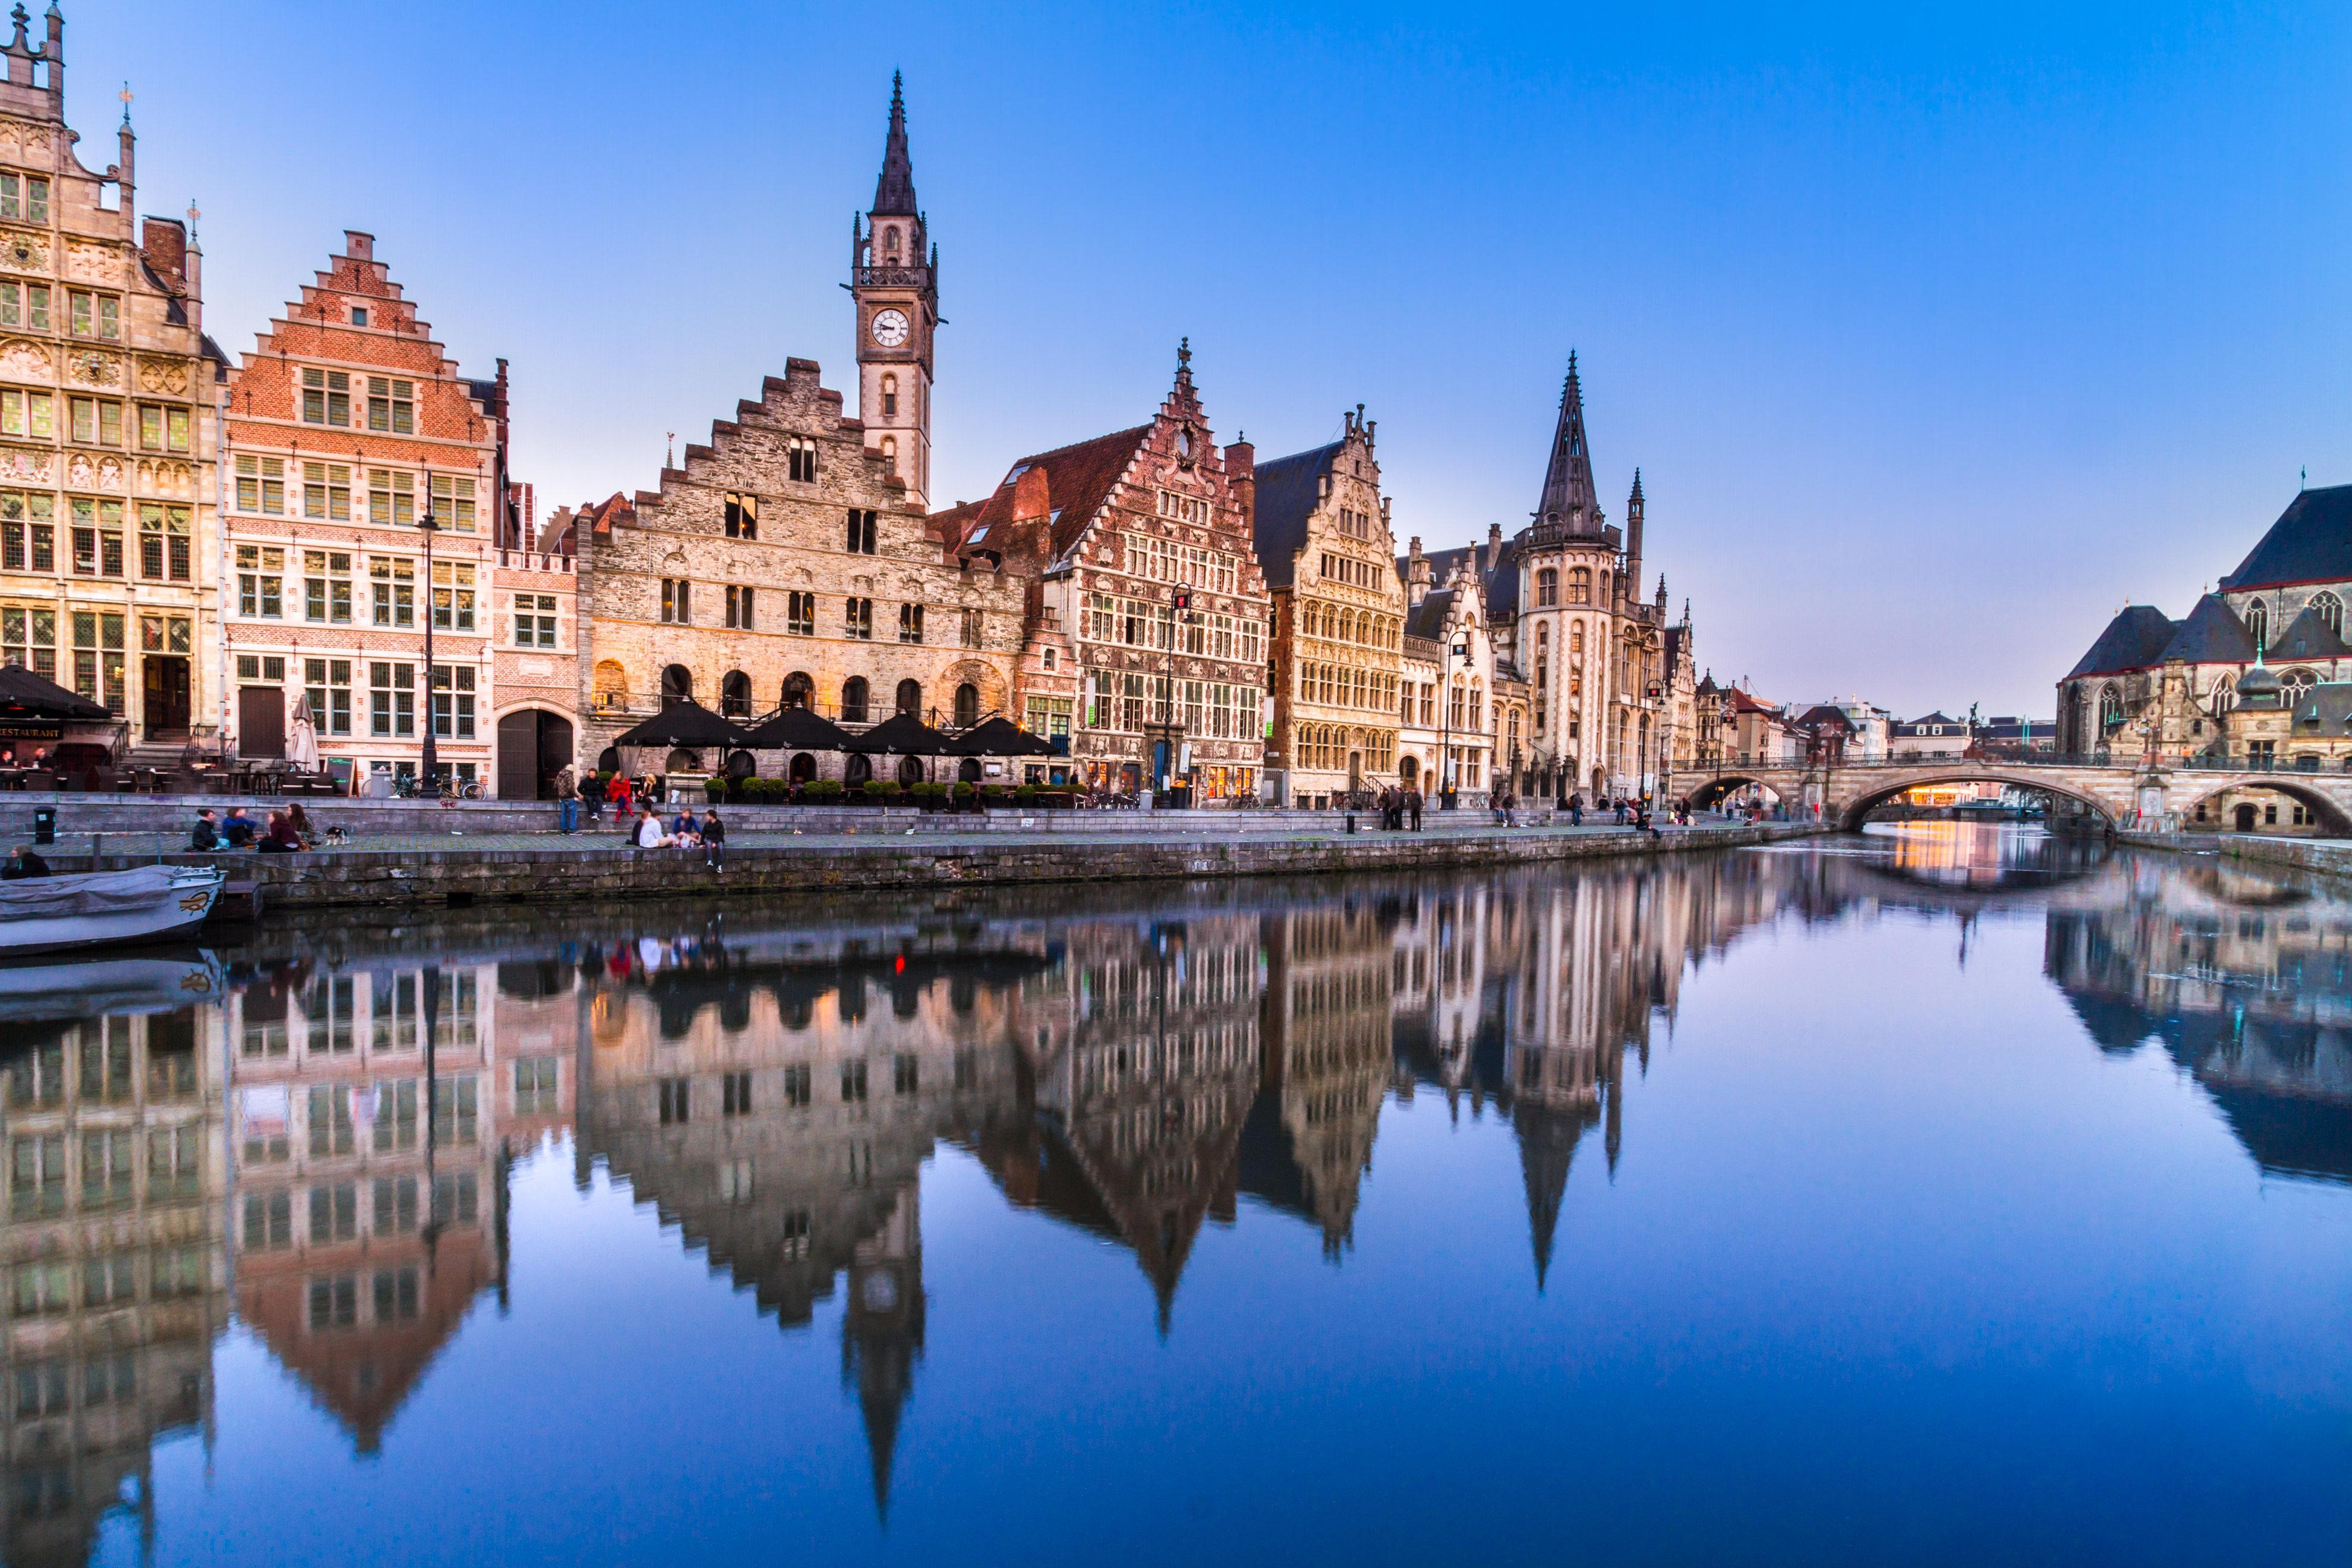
{"x": 326, "y": 1146}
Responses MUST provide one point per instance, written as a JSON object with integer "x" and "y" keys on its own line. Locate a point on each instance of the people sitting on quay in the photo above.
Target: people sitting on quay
{"x": 238, "y": 831}
{"x": 684, "y": 831}
{"x": 22, "y": 863}
{"x": 618, "y": 797}
{"x": 714, "y": 842}
{"x": 282, "y": 838}
{"x": 205, "y": 837}
{"x": 648, "y": 834}
{"x": 305, "y": 830}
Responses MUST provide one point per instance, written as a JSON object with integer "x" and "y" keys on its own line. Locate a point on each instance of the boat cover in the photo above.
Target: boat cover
{"x": 94, "y": 893}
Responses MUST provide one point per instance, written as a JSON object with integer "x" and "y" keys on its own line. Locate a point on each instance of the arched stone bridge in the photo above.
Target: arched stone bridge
{"x": 2128, "y": 795}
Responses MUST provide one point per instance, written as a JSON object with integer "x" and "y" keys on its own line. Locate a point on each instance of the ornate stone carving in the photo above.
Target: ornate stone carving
{"x": 90, "y": 368}
{"x": 169, "y": 376}
{"x": 91, "y": 261}
{"x": 21, "y": 252}
{"x": 110, "y": 473}
{"x": 26, "y": 360}
{"x": 78, "y": 472}
{"x": 26, "y": 465}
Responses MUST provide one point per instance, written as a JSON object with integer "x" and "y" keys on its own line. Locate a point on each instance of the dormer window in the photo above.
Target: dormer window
{"x": 326, "y": 397}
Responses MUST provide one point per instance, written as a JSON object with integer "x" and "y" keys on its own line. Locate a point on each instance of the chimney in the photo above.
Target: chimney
{"x": 1494, "y": 547}
{"x": 1033, "y": 495}
{"x": 357, "y": 246}
{"x": 1417, "y": 574}
{"x": 1241, "y": 476}
{"x": 164, "y": 241}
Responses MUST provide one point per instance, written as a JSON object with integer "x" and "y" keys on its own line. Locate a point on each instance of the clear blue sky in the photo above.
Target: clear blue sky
{"x": 1938, "y": 332}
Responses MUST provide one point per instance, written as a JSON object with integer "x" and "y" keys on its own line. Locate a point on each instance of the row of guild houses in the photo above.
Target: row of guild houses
{"x": 324, "y": 526}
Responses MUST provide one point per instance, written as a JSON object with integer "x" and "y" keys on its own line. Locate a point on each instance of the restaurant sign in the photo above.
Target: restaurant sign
{"x": 31, "y": 728}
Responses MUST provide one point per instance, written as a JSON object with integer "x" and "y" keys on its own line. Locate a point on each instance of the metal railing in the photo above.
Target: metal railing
{"x": 2132, "y": 761}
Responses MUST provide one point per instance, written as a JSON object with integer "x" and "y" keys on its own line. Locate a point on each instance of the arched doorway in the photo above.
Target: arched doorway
{"x": 742, "y": 765}
{"x": 853, "y": 699}
{"x": 735, "y": 694}
{"x": 2246, "y": 816}
{"x": 859, "y": 771}
{"x": 608, "y": 761}
{"x": 968, "y": 771}
{"x": 804, "y": 767}
{"x": 798, "y": 689}
{"x": 1409, "y": 770}
{"x": 678, "y": 684}
{"x": 910, "y": 698}
{"x": 1355, "y": 770}
{"x": 534, "y": 746}
{"x": 910, "y": 770}
{"x": 683, "y": 760}
{"x": 967, "y": 706}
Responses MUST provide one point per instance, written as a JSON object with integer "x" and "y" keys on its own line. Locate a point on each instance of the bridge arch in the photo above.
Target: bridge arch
{"x": 2300, "y": 789}
{"x": 1851, "y": 812}
{"x": 1712, "y": 789}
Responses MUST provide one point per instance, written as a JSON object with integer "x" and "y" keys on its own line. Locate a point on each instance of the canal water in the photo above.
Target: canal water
{"x": 1951, "y": 1195}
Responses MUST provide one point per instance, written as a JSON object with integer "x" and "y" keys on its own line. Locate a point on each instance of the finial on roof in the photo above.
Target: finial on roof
{"x": 1637, "y": 484}
{"x": 669, "y": 449}
{"x": 125, "y": 96}
{"x": 1183, "y": 353}
{"x": 20, "y": 15}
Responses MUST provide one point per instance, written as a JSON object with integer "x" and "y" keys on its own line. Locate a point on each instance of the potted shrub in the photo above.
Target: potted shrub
{"x": 878, "y": 792}
{"x": 822, "y": 791}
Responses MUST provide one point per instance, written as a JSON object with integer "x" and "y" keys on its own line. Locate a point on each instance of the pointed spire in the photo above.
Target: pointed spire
{"x": 1637, "y": 484}
{"x": 1569, "y": 499}
{"x": 894, "y": 192}
{"x": 1548, "y": 1142}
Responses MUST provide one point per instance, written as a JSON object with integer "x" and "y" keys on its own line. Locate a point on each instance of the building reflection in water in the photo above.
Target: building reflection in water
{"x": 327, "y": 1147}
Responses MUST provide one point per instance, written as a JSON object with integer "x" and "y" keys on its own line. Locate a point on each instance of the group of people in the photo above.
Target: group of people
{"x": 683, "y": 832}
{"x": 1399, "y": 804}
{"x": 289, "y": 828}
{"x": 39, "y": 759}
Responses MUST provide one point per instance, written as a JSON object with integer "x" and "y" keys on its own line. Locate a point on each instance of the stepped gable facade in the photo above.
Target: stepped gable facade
{"x": 1140, "y": 546}
{"x": 348, "y": 428}
{"x": 109, "y": 554}
{"x": 2148, "y": 683}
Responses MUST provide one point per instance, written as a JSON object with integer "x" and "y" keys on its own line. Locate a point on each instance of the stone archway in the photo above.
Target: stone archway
{"x": 2329, "y": 818}
{"x": 1849, "y": 813}
{"x": 533, "y": 746}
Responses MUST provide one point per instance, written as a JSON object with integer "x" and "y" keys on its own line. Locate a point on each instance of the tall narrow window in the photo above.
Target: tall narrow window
{"x": 800, "y": 456}
{"x": 740, "y": 608}
{"x": 861, "y": 532}
{"x": 800, "y": 614}
{"x": 910, "y": 623}
{"x": 675, "y": 601}
{"x": 742, "y": 515}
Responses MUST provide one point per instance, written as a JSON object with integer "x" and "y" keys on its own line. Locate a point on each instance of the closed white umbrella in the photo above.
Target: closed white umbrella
{"x": 302, "y": 748}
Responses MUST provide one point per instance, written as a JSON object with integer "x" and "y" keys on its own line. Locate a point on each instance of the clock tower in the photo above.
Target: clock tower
{"x": 895, "y": 278}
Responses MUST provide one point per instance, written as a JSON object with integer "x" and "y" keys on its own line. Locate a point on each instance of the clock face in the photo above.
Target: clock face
{"x": 889, "y": 328}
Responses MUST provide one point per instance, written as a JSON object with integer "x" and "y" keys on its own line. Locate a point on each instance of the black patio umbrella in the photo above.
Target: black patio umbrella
{"x": 999, "y": 737}
{"x": 798, "y": 729}
{"x": 685, "y": 722}
{"x": 901, "y": 735}
{"x": 24, "y": 695}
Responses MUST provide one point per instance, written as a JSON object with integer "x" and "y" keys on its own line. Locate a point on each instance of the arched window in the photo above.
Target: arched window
{"x": 2330, "y": 609}
{"x": 735, "y": 694}
{"x": 890, "y": 452}
{"x": 910, "y": 698}
{"x": 889, "y": 400}
{"x": 890, "y": 243}
{"x": 1547, "y": 587}
{"x": 799, "y": 689}
{"x": 853, "y": 700}
{"x": 1604, "y": 587}
{"x": 1314, "y": 620}
{"x": 2296, "y": 684}
{"x": 1579, "y": 586}
{"x": 1347, "y": 625}
{"x": 1576, "y": 642}
{"x": 611, "y": 685}
{"x": 678, "y": 684}
{"x": 2225, "y": 696}
{"x": 967, "y": 706}
{"x": 683, "y": 761}
{"x": 2258, "y": 623}
{"x": 2111, "y": 709}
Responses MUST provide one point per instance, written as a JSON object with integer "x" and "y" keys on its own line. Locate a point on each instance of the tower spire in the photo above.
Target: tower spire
{"x": 1569, "y": 499}
{"x": 894, "y": 192}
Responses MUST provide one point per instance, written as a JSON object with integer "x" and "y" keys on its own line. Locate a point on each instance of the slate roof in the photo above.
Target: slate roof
{"x": 2135, "y": 639}
{"x": 894, "y": 191}
{"x": 1569, "y": 499}
{"x": 2307, "y": 637}
{"x": 2212, "y": 635}
{"x": 1288, "y": 490}
{"x": 2310, "y": 542}
{"x": 1920, "y": 726}
{"x": 1427, "y": 619}
{"x": 1079, "y": 479}
{"x": 2328, "y": 707}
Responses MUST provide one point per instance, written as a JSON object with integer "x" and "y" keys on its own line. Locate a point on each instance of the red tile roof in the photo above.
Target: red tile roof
{"x": 1078, "y": 478}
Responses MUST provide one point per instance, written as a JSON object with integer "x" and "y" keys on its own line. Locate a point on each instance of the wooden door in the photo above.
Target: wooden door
{"x": 165, "y": 683}
{"x": 260, "y": 721}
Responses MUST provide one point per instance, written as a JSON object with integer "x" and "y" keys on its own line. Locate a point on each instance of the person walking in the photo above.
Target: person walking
{"x": 1576, "y": 809}
{"x": 567, "y": 800}
{"x": 714, "y": 842}
{"x": 1412, "y": 807}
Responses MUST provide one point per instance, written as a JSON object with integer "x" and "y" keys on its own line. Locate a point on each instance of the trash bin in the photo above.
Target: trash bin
{"x": 45, "y": 825}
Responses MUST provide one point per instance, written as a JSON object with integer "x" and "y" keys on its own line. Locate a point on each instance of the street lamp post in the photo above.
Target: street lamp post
{"x": 430, "y": 525}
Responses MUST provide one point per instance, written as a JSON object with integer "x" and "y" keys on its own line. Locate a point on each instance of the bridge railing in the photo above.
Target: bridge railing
{"x": 1737, "y": 762}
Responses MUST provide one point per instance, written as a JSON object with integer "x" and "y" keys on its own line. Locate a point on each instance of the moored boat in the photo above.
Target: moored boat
{"x": 61, "y": 914}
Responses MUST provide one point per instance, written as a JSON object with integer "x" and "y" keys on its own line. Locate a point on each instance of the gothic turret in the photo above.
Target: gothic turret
{"x": 1569, "y": 499}
{"x": 894, "y": 192}
{"x": 896, "y": 282}
{"x": 1633, "y": 536}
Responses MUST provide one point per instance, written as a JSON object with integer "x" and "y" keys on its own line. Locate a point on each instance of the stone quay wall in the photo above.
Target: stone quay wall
{"x": 462, "y": 877}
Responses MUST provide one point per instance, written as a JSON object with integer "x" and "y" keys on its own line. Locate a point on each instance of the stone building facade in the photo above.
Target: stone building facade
{"x": 783, "y": 565}
{"x": 1446, "y": 708}
{"x": 1138, "y": 543}
{"x": 347, "y": 427}
{"x": 1321, "y": 528}
{"x": 109, "y": 557}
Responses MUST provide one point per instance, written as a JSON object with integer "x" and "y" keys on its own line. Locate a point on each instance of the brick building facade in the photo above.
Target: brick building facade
{"x": 347, "y": 428}
{"x": 107, "y": 551}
